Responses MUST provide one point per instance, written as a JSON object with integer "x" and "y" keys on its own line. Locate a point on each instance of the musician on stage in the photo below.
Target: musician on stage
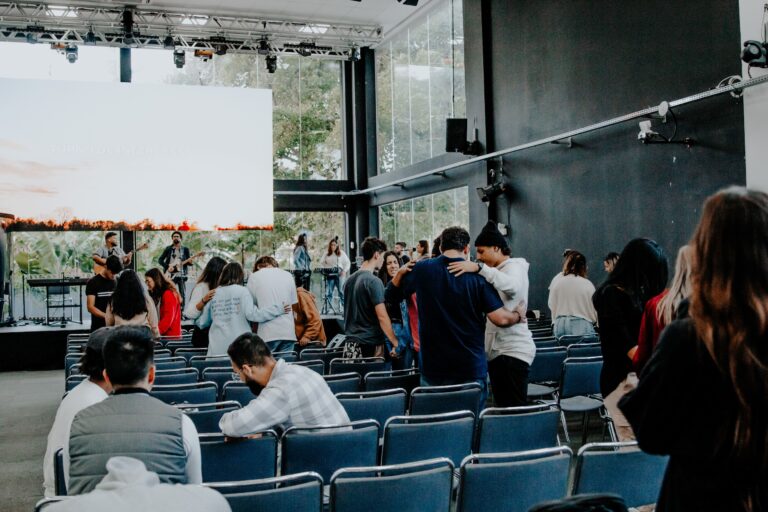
{"x": 302, "y": 262}
{"x": 335, "y": 264}
{"x": 175, "y": 260}
{"x": 110, "y": 248}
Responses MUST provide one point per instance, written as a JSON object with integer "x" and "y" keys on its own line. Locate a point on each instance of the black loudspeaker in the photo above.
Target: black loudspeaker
{"x": 455, "y": 135}
{"x": 409, "y": 2}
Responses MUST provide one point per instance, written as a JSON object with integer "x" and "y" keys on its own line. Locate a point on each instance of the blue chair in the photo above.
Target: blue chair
{"x": 221, "y": 376}
{"x": 414, "y": 438}
{"x": 619, "y": 468}
{"x": 288, "y": 493}
{"x": 323, "y": 354}
{"x": 171, "y": 363}
{"x": 513, "y": 482}
{"x": 585, "y": 350}
{"x": 515, "y": 429}
{"x": 326, "y": 449}
{"x": 238, "y": 458}
{"x": 362, "y": 366}
{"x": 178, "y": 376}
{"x": 287, "y": 356}
{"x": 203, "y": 362}
{"x": 343, "y": 382}
{"x": 413, "y": 487}
{"x": 374, "y": 405}
{"x": 206, "y": 416}
{"x": 546, "y": 343}
{"x": 313, "y": 364}
{"x": 405, "y": 379}
{"x": 545, "y": 371}
{"x": 73, "y": 380}
{"x": 184, "y": 338}
{"x": 189, "y": 352}
{"x": 574, "y": 339}
{"x": 59, "y": 482}
{"x": 178, "y": 345}
{"x": 579, "y": 392}
{"x": 70, "y": 360}
{"x": 197, "y": 393}
{"x": 162, "y": 354}
{"x": 440, "y": 399}
{"x": 238, "y": 392}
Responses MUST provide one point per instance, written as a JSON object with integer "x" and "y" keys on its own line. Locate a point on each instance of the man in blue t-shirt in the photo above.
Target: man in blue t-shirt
{"x": 452, "y": 311}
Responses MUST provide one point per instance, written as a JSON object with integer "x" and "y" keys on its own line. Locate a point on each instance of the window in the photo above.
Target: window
{"x": 419, "y": 83}
{"x": 40, "y": 62}
{"x": 423, "y": 218}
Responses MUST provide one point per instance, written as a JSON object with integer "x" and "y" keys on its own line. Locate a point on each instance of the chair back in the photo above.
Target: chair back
{"x": 416, "y": 486}
{"x": 343, "y": 382}
{"x": 414, "y": 438}
{"x": 326, "y": 449}
{"x": 177, "y": 345}
{"x": 238, "y": 392}
{"x": 513, "y": 482}
{"x": 440, "y": 399}
{"x": 585, "y": 350}
{"x": 239, "y": 458}
{"x": 162, "y": 354}
{"x": 171, "y": 363}
{"x": 619, "y": 468}
{"x": 73, "y": 380}
{"x": 288, "y": 356}
{"x": 323, "y": 354}
{"x": 197, "y": 393}
{"x": 574, "y": 339}
{"x": 219, "y": 375}
{"x": 176, "y": 376}
{"x": 580, "y": 376}
{"x": 288, "y": 493}
{"x": 70, "y": 360}
{"x": 548, "y": 343}
{"x": 374, "y": 405}
{"x": 313, "y": 364}
{"x": 362, "y": 366}
{"x": 406, "y": 379}
{"x": 188, "y": 352}
{"x": 206, "y": 416}
{"x": 203, "y": 362}
{"x": 515, "y": 429}
{"x": 547, "y": 365}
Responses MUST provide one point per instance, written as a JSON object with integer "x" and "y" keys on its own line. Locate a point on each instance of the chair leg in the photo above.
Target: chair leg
{"x": 565, "y": 427}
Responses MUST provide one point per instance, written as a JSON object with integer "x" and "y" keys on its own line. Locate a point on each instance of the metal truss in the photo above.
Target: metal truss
{"x": 150, "y": 28}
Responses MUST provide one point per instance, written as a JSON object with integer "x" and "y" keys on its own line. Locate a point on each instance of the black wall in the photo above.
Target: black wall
{"x": 563, "y": 64}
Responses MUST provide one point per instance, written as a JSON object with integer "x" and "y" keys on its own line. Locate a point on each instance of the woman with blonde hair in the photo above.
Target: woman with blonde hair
{"x": 703, "y": 396}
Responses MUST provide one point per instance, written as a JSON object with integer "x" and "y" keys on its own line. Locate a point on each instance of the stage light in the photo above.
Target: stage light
{"x": 755, "y": 53}
{"x": 491, "y": 191}
{"x": 263, "y": 48}
{"x": 271, "y": 63}
{"x": 179, "y": 58}
{"x": 354, "y": 54}
{"x": 204, "y": 55}
{"x": 90, "y": 38}
{"x": 31, "y": 38}
{"x": 70, "y": 52}
{"x": 168, "y": 42}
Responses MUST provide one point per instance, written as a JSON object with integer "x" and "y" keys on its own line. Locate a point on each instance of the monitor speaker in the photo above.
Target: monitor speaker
{"x": 455, "y": 135}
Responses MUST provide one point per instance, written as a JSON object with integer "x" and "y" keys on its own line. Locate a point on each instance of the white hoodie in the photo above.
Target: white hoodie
{"x": 511, "y": 281}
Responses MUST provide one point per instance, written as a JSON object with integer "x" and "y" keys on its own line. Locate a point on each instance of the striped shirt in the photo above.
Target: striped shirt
{"x": 294, "y": 396}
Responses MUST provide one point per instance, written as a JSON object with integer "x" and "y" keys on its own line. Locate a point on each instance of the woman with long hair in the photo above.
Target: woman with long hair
{"x": 663, "y": 308}
{"x": 166, "y": 296}
{"x": 202, "y": 293}
{"x": 570, "y": 298}
{"x": 398, "y": 315}
{"x": 641, "y": 273}
{"x": 130, "y": 304}
{"x": 302, "y": 262}
{"x": 231, "y": 309}
{"x": 421, "y": 251}
{"x": 335, "y": 264}
{"x": 703, "y": 396}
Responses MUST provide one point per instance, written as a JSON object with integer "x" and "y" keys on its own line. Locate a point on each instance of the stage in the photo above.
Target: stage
{"x": 42, "y": 347}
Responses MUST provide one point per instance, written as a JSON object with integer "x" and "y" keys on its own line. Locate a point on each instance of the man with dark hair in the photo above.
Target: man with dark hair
{"x": 92, "y": 390}
{"x": 399, "y": 248}
{"x": 366, "y": 322}
{"x": 452, "y": 313}
{"x": 175, "y": 260}
{"x": 510, "y": 350}
{"x": 610, "y": 260}
{"x": 110, "y": 248}
{"x": 287, "y": 395}
{"x": 98, "y": 291}
{"x": 270, "y": 285}
{"x": 131, "y": 422}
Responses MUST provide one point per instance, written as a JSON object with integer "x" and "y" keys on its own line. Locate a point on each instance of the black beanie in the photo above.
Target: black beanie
{"x": 490, "y": 236}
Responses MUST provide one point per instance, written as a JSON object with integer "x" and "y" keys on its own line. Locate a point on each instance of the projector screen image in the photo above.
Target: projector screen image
{"x": 74, "y": 154}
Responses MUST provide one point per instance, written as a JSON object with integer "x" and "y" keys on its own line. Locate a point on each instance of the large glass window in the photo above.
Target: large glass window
{"x": 419, "y": 83}
{"x": 40, "y": 62}
{"x": 306, "y": 103}
{"x": 423, "y": 218}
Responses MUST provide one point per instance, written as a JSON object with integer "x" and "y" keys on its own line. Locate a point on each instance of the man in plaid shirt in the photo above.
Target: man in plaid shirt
{"x": 288, "y": 395}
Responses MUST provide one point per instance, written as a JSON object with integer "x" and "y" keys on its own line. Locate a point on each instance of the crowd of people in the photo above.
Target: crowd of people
{"x": 698, "y": 345}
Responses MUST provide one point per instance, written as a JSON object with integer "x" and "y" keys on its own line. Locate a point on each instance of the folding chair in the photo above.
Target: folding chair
{"x": 413, "y": 438}
{"x": 412, "y": 487}
{"x": 70, "y": 360}
{"x": 188, "y": 353}
{"x": 243, "y": 458}
{"x": 545, "y": 371}
{"x": 440, "y": 399}
{"x": 73, "y": 380}
{"x": 287, "y": 356}
{"x": 343, "y": 382}
{"x": 324, "y": 354}
{"x": 619, "y": 468}
{"x": 577, "y": 339}
{"x": 287, "y": 493}
{"x": 362, "y": 365}
{"x": 176, "y": 376}
{"x": 221, "y": 376}
{"x": 579, "y": 391}
{"x": 206, "y": 416}
{"x": 545, "y": 343}
{"x": 327, "y": 449}
{"x": 374, "y": 405}
{"x": 237, "y": 391}
{"x": 585, "y": 350}
{"x": 313, "y": 364}
{"x": 513, "y": 482}
{"x": 197, "y": 393}
{"x": 162, "y": 354}
{"x": 171, "y": 363}
{"x": 176, "y": 345}
{"x": 203, "y": 362}
{"x": 406, "y": 379}
{"x": 514, "y": 429}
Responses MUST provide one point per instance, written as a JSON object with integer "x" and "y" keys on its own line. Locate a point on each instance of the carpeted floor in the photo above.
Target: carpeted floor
{"x": 28, "y": 402}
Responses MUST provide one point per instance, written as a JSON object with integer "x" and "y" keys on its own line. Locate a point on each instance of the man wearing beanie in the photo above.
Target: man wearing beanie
{"x": 510, "y": 350}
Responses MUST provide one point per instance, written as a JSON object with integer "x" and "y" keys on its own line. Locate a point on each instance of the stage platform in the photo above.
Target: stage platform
{"x": 42, "y": 347}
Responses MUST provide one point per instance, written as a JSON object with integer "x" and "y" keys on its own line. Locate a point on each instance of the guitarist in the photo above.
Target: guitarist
{"x": 110, "y": 248}
{"x": 175, "y": 260}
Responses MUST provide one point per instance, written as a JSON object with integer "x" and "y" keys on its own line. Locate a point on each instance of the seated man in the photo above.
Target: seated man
{"x": 288, "y": 395}
{"x": 91, "y": 391}
{"x": 131, "y": 422}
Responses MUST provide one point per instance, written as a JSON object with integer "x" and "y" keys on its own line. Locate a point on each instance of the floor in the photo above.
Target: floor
{"x": 28, "y": 402}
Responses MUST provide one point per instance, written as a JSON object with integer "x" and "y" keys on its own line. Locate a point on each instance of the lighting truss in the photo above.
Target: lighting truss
{"x": 102, "y": 26}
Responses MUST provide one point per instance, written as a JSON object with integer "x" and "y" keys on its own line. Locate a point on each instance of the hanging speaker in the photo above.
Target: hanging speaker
{"x": 455, "y": 135}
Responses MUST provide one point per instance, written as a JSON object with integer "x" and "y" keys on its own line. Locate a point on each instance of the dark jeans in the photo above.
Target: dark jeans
{"x": 509, "y": 381}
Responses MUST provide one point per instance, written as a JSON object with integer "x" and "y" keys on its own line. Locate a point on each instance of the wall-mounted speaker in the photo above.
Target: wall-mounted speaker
{"x": 455, "y": 135}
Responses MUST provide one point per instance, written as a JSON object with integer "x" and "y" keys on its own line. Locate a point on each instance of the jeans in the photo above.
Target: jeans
{"x": 332, "y": 282}
{"x": 404, "y": 347}
{"x": 281, "y": 345}
{"x": 572, "y": 325}
{"x": 449, "y": 381}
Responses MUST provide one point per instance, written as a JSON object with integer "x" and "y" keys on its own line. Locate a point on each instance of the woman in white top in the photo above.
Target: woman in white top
{"x": 336, "y": 264}
{"x": 130, "y": 304}
{"x": 570, "y": 298}
{"x": 202, "y": 293}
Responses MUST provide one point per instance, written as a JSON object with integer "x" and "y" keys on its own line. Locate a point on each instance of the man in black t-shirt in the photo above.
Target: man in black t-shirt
{"x": 98, "y": 291}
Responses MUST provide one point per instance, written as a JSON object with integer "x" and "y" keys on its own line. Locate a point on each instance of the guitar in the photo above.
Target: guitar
{"x": 176, "y": 265}
{"x": 97, "y": 268}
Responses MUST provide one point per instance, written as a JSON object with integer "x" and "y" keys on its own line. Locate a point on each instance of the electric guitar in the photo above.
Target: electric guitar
{"x": 176, "y": 265}
{"x": 97, "y": 268}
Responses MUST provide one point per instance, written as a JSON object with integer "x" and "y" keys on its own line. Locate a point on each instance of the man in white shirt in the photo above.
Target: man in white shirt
{"x": 287, "y": 395}
{"x": 92, "y": 390}
{"x": 270, "y": 285}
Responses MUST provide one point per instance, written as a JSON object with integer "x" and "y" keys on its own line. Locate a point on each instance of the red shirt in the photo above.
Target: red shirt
{"x": 169, "y": 322}
{"x": 650, "y": 330}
